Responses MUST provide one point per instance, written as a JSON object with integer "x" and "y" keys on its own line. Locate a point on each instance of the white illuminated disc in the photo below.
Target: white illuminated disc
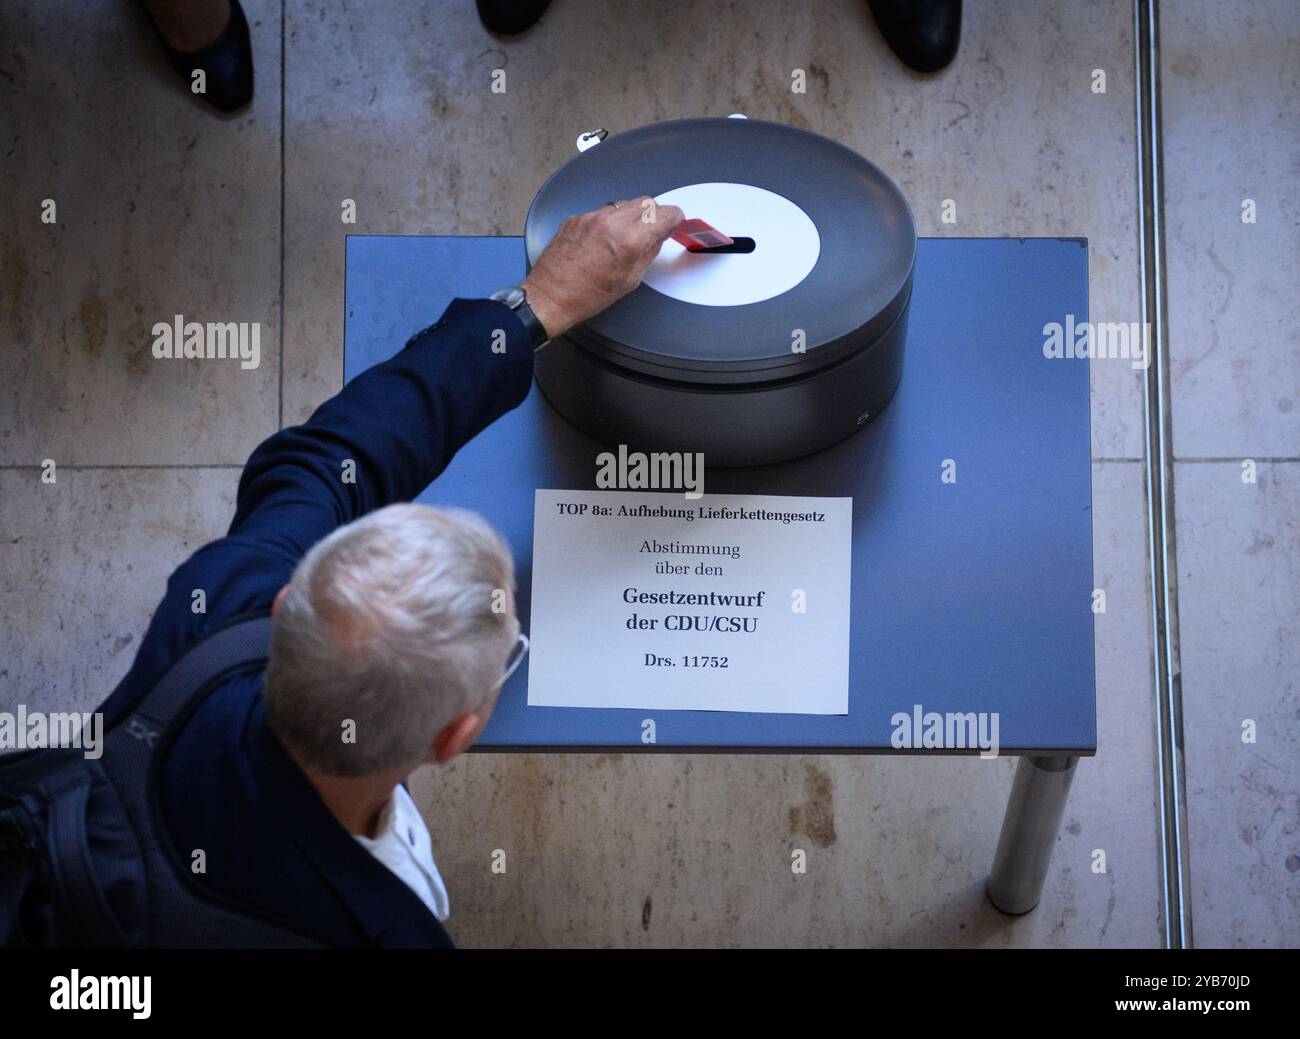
{"x": 786, "y": 247}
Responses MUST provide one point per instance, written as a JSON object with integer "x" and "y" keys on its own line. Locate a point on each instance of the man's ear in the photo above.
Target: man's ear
{"x": 456, "y": 737}
{"x": 279, "y": 598}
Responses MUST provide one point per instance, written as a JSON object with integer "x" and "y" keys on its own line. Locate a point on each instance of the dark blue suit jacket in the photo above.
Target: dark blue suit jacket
{"x": 229, "y": 787}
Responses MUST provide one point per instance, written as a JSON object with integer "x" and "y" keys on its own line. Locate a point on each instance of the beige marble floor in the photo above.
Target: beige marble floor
{"x": 1238, "y": 575}
{"x": 161, "y": 210}
{"x": 1231, "y": 92}
{"x": 166, "y": 208}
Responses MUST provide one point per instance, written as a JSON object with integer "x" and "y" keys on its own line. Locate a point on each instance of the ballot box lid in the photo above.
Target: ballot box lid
{"x": 830, "y": 271}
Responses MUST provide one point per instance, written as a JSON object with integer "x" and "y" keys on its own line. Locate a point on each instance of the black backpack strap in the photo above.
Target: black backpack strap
{"x": 179, "y": 916}
{"x": 106, "y": 885}
{"x": 73, "y": 872}
{"x": 241, "y": 644}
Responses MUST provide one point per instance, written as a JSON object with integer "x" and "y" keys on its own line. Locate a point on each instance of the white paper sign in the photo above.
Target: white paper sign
{"x": 728, "y": 602}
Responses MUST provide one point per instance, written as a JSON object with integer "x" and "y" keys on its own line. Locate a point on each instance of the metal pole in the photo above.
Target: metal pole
{"x": 1029, "y": 831}
{"x": 1158, "y": 463}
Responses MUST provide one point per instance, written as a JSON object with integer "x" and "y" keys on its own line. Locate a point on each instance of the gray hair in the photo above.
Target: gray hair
{"x": 398, "y": 622}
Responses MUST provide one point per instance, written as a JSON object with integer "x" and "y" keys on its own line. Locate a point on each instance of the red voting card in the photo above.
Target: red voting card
{"x": 697, "y": 235}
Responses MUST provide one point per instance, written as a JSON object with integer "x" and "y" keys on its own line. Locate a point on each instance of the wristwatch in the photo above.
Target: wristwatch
{"x": 516, "y": 299}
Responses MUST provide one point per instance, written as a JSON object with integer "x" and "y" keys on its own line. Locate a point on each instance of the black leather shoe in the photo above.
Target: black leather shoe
{"x": 923, "y": 33}
{"x": 510, "y": 17}
{"x": 227, "y": 63}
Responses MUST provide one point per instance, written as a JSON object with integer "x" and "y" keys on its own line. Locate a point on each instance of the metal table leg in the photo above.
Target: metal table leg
{"x": 1029, "y": 832}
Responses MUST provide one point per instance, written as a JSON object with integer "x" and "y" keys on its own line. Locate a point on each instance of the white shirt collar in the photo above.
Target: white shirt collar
{"x": 404, "y": 846}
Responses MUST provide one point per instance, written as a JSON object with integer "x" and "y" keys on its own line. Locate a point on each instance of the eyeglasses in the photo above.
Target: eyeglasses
{"x": 517, "y": 655}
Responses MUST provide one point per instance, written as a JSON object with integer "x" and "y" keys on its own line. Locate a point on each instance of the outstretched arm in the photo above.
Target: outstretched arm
{"x": 390, "y": 432}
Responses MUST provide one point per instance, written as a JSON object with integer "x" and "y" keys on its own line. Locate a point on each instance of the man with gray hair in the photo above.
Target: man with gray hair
{"x": 282, "y": 791}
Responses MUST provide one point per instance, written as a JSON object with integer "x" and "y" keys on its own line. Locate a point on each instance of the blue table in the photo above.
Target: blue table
{"x": 969, "y": 596}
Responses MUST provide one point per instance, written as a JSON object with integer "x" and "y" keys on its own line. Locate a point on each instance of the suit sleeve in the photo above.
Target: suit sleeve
{"x": 383, "y": 439}
{"x": 390, "y": 432}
